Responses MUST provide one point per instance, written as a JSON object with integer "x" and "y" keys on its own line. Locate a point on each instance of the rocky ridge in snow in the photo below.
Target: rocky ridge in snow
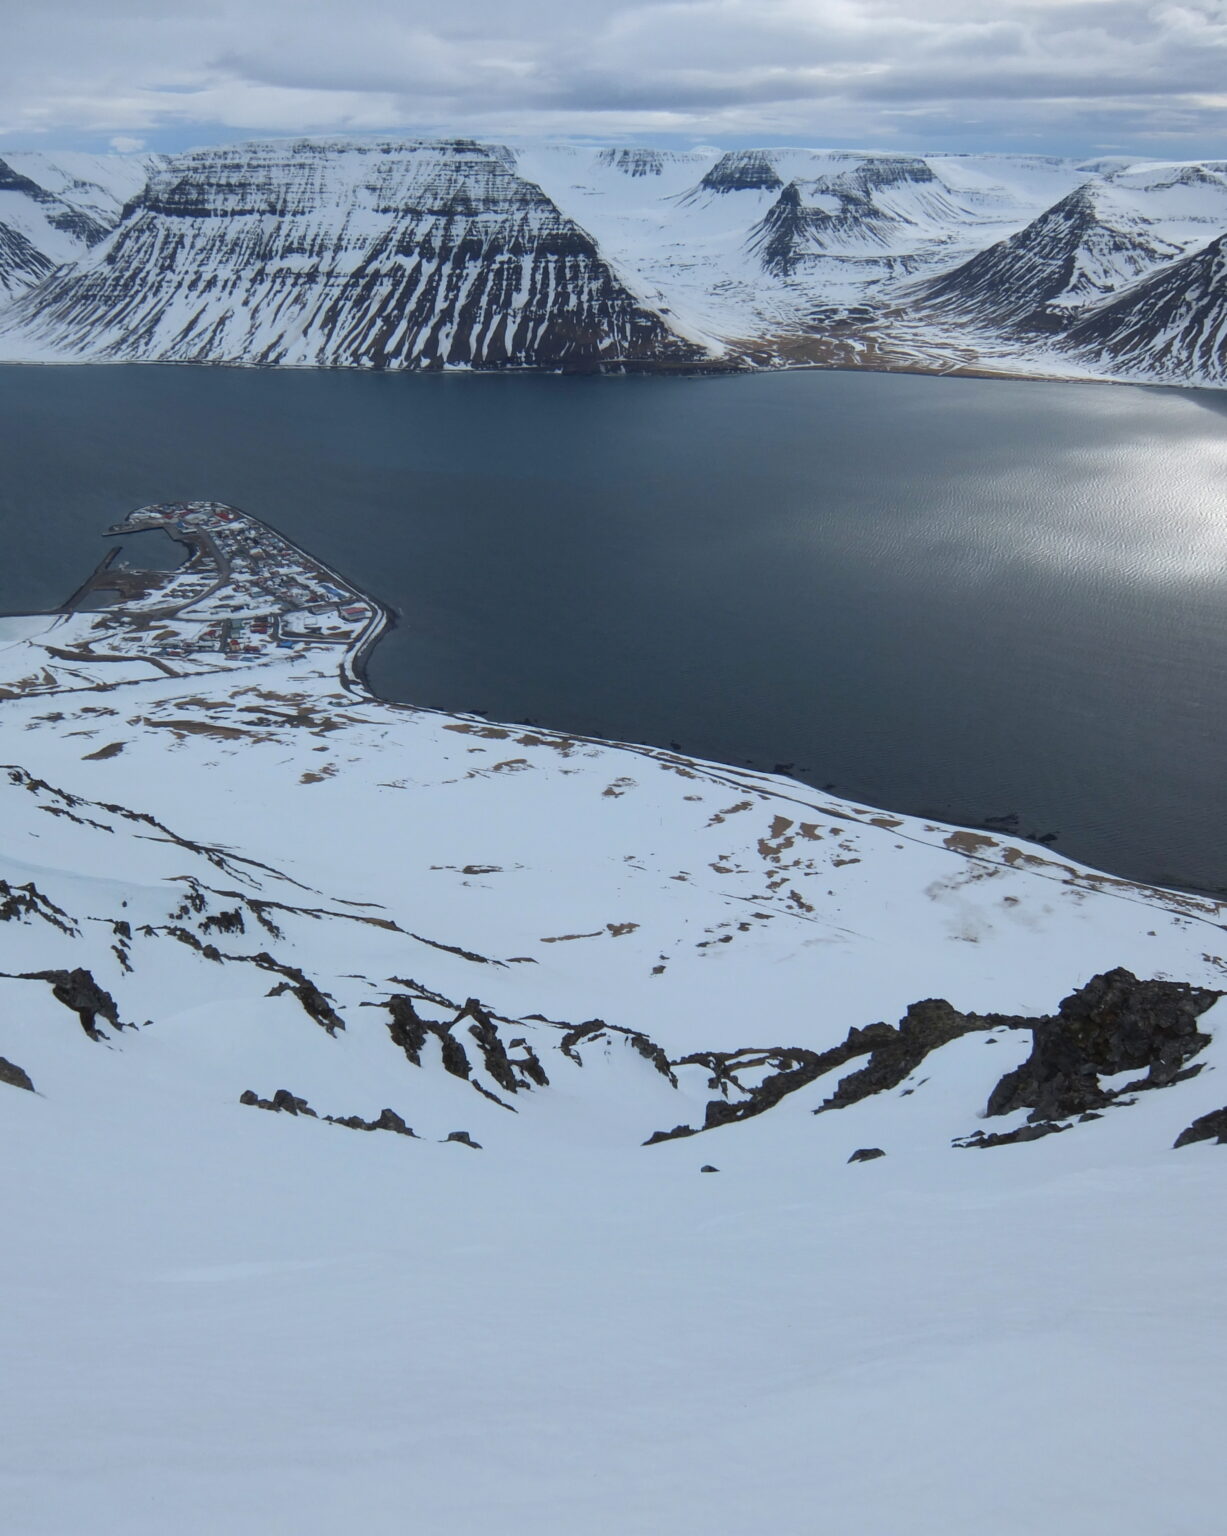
{"x": 358, "y": 1064}
{"x": 751, "y": 900}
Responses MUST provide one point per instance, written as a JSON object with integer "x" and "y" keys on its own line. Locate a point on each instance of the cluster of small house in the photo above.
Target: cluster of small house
{"x": 272, "y": 598}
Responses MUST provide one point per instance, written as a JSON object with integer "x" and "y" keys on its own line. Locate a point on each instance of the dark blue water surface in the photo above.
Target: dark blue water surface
{"x": 954, "y": 597}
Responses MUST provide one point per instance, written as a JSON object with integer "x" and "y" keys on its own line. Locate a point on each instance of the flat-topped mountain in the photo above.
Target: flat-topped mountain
{"x": 340, "y": 254}
{"x": 385, "y": 253}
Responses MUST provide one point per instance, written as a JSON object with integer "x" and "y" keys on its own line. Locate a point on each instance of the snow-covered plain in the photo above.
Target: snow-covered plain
{"x": 225, "y": 1319}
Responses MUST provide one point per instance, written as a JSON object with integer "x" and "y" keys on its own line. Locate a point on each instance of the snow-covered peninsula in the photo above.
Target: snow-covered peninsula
{"x": 387, "y": 1088}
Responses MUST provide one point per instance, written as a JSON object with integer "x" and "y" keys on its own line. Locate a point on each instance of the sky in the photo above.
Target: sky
{"x": 1075, "y": 77}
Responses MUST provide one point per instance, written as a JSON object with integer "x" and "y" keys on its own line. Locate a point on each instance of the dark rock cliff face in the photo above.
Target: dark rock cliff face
{"x": 1041, "y": 278}
{"x": 1171, "y": 326}
{"x": 60, "y": 215}
{"x": 13, "y": 181}
{"x": 742, "y": 170}
{"x": 633, "y": 162}
{"x": 397, "y": 255}
{"x": 22, "y": 264}
{"x": 15, "y": 1076}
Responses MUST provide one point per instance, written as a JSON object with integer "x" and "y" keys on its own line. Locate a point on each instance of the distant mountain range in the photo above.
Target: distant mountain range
{"x": 448, "y": 253}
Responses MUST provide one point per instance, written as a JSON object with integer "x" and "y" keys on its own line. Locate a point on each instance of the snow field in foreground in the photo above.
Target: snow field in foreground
{"x": 233, "y": 1321}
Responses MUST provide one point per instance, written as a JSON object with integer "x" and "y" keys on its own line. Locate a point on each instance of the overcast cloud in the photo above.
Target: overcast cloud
{"x": 1066, "y": 76}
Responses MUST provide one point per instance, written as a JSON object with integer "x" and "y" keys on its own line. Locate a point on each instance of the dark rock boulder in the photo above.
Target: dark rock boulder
{"x": 282, "y": 1102}
{"x": 866, "y": 1154}
{"x": 1115, "y": 1023}
{"x": 388, "y": 1120}
{"x": 464, "y": 1139}
{"x": 1027, "y": 1132}
{"x": 78, "y": 990}
{"x": 1211, "y": 1127}
{"x": 14, "y": 1075}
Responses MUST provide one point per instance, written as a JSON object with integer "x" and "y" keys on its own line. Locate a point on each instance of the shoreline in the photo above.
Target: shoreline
{"x": 353, "y": 675}
{"x": 716, "y": 368}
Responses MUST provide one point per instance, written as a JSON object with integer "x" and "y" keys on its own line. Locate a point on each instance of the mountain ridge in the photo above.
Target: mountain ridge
{"x": 413, "y": 253}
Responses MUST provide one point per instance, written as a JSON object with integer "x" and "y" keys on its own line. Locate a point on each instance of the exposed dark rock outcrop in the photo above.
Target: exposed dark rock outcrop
{"x": 284, "y": 1102}
{"x": 314, "y": 1002}
{"x": 866, "y": 1154}
{"x": 18, "y": 902}
{"x": 844, "y": 213}
{"x": 386, "y": 1120}
{"x": 78, "y": 990}
{"x": 633, "y": 161}
{"x": 1040, "y": 279}
{"x": 742, "y": 170}
{"x": 1211, "y": 1127}
{"x": 896, "y": 1053}
{"x": 1027, "y": 1132}
{"x": 595, "y": 1030}
{"x": 22, "y": 264}
{"x": 410, "y": 1031}
{"x": 464, "y": 1139}
{"x": 15, "y": 1076}
{"x": 1115, "y": 1023}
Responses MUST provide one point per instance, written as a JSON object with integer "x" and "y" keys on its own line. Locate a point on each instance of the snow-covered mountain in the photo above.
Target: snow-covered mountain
{"x": 372, "y": 255}
{"x": 100, "y": 184}
{"x": 359, "y": 1065}
{"x": 1097, "y": 241}
{"x": 54, "y": 207}
{"x": 425, "y": 254}
{"x": 38, "y": 229}
{"x": 1069, "y": 257}
{"x": 1173, "y": 326}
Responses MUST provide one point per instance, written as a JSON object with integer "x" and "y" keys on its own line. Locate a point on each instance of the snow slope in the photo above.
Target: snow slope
{"x": 100, "y": 184}
{"x": 38, "y": 229}
{"x": 233, "y": 876}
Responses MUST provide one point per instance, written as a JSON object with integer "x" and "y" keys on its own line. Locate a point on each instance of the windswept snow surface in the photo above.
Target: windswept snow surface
{"x": 220, "y": 1318}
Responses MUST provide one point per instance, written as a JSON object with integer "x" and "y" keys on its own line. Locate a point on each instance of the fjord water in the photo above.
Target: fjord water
{"x": 957, "y": 598}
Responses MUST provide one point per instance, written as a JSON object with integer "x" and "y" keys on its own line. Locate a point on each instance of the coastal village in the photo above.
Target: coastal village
{"x": 244, "y": 595}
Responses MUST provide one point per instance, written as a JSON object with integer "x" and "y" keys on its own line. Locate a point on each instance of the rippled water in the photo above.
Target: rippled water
{"x": 954, "y": 597}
